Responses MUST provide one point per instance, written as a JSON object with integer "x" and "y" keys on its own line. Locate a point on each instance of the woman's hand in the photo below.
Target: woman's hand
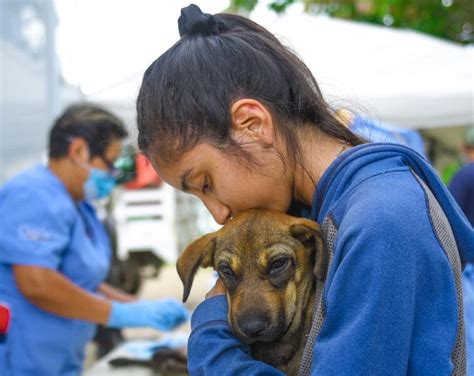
{"x": 218, "y": 289}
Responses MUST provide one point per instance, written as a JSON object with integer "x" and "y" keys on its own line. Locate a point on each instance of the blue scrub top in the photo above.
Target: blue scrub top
{"x": 376, "y": 131}
{"x": 42, "y": 226}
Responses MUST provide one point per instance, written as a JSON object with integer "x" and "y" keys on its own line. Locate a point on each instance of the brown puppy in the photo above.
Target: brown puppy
{"x": 271, "y": 258}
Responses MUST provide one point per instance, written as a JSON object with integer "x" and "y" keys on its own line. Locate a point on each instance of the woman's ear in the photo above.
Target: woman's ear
{"x": 252, "y": 122}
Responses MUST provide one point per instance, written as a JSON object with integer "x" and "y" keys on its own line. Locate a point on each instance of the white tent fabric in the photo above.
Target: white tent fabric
{"x": 399, "y": 76}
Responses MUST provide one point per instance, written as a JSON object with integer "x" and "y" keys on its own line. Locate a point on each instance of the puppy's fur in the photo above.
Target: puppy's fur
{"x": 268, "y": 262}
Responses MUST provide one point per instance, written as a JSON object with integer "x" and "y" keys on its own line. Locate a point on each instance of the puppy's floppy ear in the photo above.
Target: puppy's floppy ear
{"x": 198, "y": 253}
{"x": 309, "y": 234}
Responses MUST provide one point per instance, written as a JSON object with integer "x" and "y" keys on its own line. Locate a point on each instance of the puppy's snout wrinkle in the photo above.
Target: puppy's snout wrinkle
{"x": 253, "y": 325}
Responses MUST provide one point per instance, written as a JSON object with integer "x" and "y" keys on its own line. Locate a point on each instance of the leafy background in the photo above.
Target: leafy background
{"x": 448, "y": 19}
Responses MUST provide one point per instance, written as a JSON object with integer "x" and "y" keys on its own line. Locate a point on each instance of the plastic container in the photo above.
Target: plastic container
{"x": 5, "y": 317}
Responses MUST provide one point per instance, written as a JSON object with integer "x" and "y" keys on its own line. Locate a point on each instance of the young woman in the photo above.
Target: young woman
{"x": 232, "y": 116}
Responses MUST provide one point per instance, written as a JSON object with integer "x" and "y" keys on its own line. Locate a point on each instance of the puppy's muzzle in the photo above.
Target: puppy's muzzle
{"x": 253, "y": 326}
{"x": 257, "y": 327}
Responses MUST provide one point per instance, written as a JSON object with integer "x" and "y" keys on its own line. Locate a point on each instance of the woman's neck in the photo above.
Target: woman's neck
{"x": 318, "y": 151}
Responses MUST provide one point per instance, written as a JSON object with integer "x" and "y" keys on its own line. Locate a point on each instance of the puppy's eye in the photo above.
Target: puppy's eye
{"x": 278, "y": 265}
{"x": 226, "y": 271}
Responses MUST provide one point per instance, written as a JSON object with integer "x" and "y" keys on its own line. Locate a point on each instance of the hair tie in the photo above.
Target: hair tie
{"x": 193, "y": 21}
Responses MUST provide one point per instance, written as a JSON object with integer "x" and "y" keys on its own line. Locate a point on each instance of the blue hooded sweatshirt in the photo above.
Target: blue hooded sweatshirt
{"x": 391, "y": 296}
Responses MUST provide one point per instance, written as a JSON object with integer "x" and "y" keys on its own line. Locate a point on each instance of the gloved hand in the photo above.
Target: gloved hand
{"x": 163, "y": 314}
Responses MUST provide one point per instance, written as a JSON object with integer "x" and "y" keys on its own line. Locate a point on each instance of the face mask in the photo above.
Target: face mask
{"x": 99, "y": 184}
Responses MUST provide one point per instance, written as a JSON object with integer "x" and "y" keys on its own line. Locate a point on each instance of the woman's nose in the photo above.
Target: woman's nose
{"x": 220, "y": 212}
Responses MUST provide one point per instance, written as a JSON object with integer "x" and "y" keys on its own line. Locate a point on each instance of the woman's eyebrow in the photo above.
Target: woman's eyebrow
{"x": 184, "y": 179}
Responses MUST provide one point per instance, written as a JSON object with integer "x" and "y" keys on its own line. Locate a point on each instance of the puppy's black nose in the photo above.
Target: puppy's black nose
{"x": 253, "y": 326}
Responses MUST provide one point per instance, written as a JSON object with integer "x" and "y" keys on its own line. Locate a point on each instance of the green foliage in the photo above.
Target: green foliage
{"x": 245, "y": 6}
{"x": 449, "y": 19}
{"x": 280, "y": 6}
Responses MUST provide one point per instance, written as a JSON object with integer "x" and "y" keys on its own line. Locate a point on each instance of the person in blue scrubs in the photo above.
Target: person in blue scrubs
{"x": 461, "y": 185}
{"x": 55, "y": 253}
{"x": 233, "y": 117}
{"x": 462, "y": 189}
{"x": 377, "y": 131}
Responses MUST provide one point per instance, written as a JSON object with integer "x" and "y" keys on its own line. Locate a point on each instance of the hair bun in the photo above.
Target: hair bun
{"x": 194, "y": 22}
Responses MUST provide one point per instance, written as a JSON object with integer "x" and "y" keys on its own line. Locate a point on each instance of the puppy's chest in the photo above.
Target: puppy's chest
{"x": 286, "y": 353}
{"x": 286, "y": 357}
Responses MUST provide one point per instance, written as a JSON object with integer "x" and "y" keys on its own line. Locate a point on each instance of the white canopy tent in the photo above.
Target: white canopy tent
{"x": 397, "y": 76}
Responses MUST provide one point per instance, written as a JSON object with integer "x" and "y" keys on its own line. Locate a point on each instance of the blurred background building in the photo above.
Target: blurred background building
{"x": 33, "y": 90}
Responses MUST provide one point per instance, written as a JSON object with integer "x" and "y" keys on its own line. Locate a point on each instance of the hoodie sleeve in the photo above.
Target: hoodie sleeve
{"x": 214, "y": 350}
{"x": 390, "y": 298}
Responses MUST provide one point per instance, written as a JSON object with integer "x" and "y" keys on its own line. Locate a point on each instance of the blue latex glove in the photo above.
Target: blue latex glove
{"x": 163, "y": 314}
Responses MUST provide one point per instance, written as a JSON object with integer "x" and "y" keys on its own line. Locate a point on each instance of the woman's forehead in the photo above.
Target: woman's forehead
{"x": 198, "y": 153}
{"x": 184, "y": 166}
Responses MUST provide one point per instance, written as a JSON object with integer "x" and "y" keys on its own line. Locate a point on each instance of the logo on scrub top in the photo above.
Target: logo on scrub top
{"x": 31, "y": 233}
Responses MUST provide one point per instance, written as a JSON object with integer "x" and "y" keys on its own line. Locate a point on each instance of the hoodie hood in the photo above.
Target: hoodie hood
{"x": 347, "y": 168}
